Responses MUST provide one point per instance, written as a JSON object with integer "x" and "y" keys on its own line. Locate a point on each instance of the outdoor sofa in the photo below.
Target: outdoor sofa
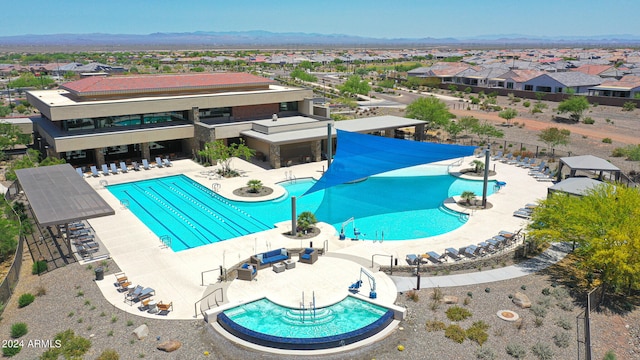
{"x": 266, "y": 259}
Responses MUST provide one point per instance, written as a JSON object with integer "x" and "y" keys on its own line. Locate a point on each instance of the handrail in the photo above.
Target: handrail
{"x": 390, "y": 268}
{"x": 223, "y": 274}
{"x": 195, "y": 305}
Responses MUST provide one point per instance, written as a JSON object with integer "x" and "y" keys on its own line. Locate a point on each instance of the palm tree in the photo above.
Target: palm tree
{"x": 468, "y": 196}
{"x": 254, "y": 185}
{"x": 306, "y": 219}
{"x": 478, "y": 166}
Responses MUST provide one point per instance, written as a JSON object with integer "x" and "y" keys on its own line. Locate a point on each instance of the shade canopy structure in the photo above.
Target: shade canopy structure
{"x": 58, "y": 195}
{"x": 359, "y": 156}
{"x": 588, "y": 163}
{"x": 575, "y": 186}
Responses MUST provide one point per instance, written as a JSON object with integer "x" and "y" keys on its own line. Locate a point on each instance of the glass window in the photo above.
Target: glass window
{"x": 289, "y": 106}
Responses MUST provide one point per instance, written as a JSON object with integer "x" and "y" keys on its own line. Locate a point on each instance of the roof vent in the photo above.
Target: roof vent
{"x": 274, "y": 117}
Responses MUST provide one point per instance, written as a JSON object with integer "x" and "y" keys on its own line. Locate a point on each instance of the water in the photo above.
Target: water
{"x": 399, "y": 205}
{"x": 268, "y": 318}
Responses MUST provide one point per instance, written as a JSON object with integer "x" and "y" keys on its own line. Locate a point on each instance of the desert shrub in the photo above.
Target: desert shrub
{"x": 109, "y": 354}
{"x": 619, "y": 152}
{"x": 477, "y": 332}
{"x": 629, "y": 106}
{"x": 71, "y": 346}
{"x": 19, "y": 330}
{"x": 11, "y": 351}
{"x": 40, "y": 291}
{"x": 455, "y": 333}
{"x": 39, "y": 267}
{"x": 466, "y": 301}
{"x": 485, "y": 354}
{"x": 561, "y": 339}
{"x": 538, "y": 322}
{"x": 542, "y": 351}
{"x": 546, "y": 292}
{"x": 434, "y": 305}
{"x": 545, "y": 302}
{"x": 560, "y": 293}
{"x": 516, "y": 350}
{"x": 437, "y": 294}
{"x": 607, "y": 141}
{"x": 435, "y": 325}
{"x": 457, "y": 313}
{"x": 610, "y": 355}
{"x": 588, "y": 120}
{"x": 25, "y": 299}
{"x": 526, "y": 103}
{"x": 565, "y": 305}
{"x": 564, "y": 323}
{"x": 539, "y": 310}
{"x": 413, "y": 295}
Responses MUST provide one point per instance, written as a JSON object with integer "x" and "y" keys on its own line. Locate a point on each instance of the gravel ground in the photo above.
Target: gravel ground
{"x": 73, "y": 301}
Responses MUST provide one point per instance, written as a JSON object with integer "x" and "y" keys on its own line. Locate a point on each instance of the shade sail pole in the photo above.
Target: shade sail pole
{"x": 294, "y": 225}
{"x": 329, "y": 146}
{"x": 487, "y": 153}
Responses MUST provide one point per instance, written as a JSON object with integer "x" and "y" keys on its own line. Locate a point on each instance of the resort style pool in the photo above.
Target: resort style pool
{"x": 269, "y": 324}
{"x": 399, "y": 205}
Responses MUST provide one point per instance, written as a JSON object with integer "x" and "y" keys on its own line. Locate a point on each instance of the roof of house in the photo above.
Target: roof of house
{"x": 571, "y": 78}
{"x": 592, "y": 69}
{"x": 628, "y": 82}
{"x": 110, "y": 85}
{"x": 521, "y": 76}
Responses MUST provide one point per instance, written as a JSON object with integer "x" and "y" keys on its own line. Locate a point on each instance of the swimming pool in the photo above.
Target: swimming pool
{"x": 266, "y": 323}
{"x": 398, "y": 205}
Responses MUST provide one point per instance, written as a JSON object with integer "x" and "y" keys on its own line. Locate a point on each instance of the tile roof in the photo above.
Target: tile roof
{"x": 99, "y": 85}
{"x": 591, "y": 69}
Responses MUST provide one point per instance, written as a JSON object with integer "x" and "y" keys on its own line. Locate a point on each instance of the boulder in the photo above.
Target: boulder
{"x": 449, "y": 299}
{"x": 141, "y": 332}
{"x": 522, "y": 300}
{"x": 169, "y": 345}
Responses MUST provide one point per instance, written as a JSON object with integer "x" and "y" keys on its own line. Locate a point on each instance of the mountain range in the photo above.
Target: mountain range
{"x": 260, "y": 39}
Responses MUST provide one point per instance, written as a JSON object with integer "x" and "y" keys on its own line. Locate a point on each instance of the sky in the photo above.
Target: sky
{"x": 368, "y": 18}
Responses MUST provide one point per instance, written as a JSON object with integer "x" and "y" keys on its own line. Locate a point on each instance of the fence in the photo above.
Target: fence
{"x": 583, "y": 321}
{"x": 9, "y": 283}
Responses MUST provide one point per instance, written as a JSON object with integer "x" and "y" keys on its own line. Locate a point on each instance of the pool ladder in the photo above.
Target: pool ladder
{"x": 312, "y": 307}
{"x": 166, "y": 241}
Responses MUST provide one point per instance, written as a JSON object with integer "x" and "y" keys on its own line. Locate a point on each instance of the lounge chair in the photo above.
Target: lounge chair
{"x": 145, "y": 164}
{"x": 435, "y": 257}
{"x": 159, "y": 162}
{"x": 469, "y": 251}
{"x": 136, "y": 166}
{"x": 144, "y": 304}
{"x": 247, "y": 272}
{"x": 522, "y": 213}
{"x": 164, "y": 308}
{"x": 121, "y": 278}
{"x": 114, "y": 169}
{"x": 507, "y": 158}
{"x": 105, "y": 170}
{"x": 533, "y": 163}
{"x": 547, "y": 176}
{"x": 123, "y": 167}
{"x": 452, "y": 253}
{"x": 514, "y": 161}
{"x": 94, "y": 171}
{"x": 139, "y": 295}
{"x": 80, "y": 172}
{"x": 497, "y": 156}
{"x": 412, "y": 259}
{"x": 525, "y": 162}
{"x": 166, "y": 162}
{"x": 133, "y": 293}
{"x": 539, "y": 169}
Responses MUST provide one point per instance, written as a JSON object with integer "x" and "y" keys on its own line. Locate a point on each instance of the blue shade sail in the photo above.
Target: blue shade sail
{"x": 360, "y": 155}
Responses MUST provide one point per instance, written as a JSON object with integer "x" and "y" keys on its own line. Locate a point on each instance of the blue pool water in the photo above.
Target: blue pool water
{"x": 395, "y": 206}
{"x": 266, "y": 317}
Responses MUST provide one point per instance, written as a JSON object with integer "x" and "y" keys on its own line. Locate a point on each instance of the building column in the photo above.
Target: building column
{"x": 419, "y": 132}
{"x": 274, "y": 156}
{"x": 316, "y": 150}
{"x": 194, "y": 114}
{"x": 99, "y": 156}
{"x": 146, "y": 154}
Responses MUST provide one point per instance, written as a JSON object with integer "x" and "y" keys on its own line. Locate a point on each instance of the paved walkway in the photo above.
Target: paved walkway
{"x": 555, "y": 253}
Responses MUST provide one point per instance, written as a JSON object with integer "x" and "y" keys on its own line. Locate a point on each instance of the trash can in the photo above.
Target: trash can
{"x": 99, "y": 273}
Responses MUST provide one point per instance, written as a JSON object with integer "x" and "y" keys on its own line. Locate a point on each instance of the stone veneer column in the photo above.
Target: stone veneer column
{"x": 274, "y": 156}
{"x": 99, "y": 156}
{"x": 146, "y": 154}
{"x": 420, "y": 132}
{"x": 316, "y": 150}
{"x": 194, "y": 114}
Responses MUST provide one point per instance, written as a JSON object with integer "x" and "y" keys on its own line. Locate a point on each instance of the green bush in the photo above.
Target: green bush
{"x": 539, "y": 310}
{"x": 11, "y": 351}
{"x": 109, "y": 354}
{"x": 457, "y": 313}
{"x": 564, "y": 323}
{"x": 516, "y": 350}
{"x": 629, "y": 106}
{"x": 546, "y": 292}
{"x": 25, "y": 299}
{"x": 71, "y": 346}
{"x": 561, "y": 340}
{"x": 542, "y": 351}
{"x": 39, "y": 267}
{"x": 455, "y": 333}
{"x": 610, "y": 355}
{"x": 588, "y": 120}
{"x": 526, "y": 103}
{"x": 607, "y": 140}
{"x": 19, "y": 330}
{"x": 477, "y": 334}
{"x": 560, "y": 293}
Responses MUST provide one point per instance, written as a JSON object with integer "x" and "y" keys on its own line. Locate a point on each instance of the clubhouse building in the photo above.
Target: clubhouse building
{"x": 98, "y": 120}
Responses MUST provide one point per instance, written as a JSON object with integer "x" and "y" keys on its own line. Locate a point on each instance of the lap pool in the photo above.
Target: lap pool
{"x": 399, "y": 205}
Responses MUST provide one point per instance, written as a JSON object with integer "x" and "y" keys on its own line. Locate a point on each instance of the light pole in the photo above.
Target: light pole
{"x": 487, "y": 153}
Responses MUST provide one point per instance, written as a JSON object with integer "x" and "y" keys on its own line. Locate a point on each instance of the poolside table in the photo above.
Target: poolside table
{"x": 278, "y": 268}
{"x": 288, "y": 265}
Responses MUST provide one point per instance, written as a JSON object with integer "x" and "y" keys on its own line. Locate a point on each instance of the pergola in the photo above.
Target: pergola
{"x": 574, "y": 186}
{"x": 58, "y": 195}
{"x": 588, "y": 163}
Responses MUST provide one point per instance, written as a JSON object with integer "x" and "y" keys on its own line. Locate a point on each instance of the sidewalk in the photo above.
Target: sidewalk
{"x": 555, "y": 253}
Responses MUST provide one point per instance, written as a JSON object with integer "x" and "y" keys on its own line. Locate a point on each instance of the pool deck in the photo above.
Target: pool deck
{"x": 179, "y": 278}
